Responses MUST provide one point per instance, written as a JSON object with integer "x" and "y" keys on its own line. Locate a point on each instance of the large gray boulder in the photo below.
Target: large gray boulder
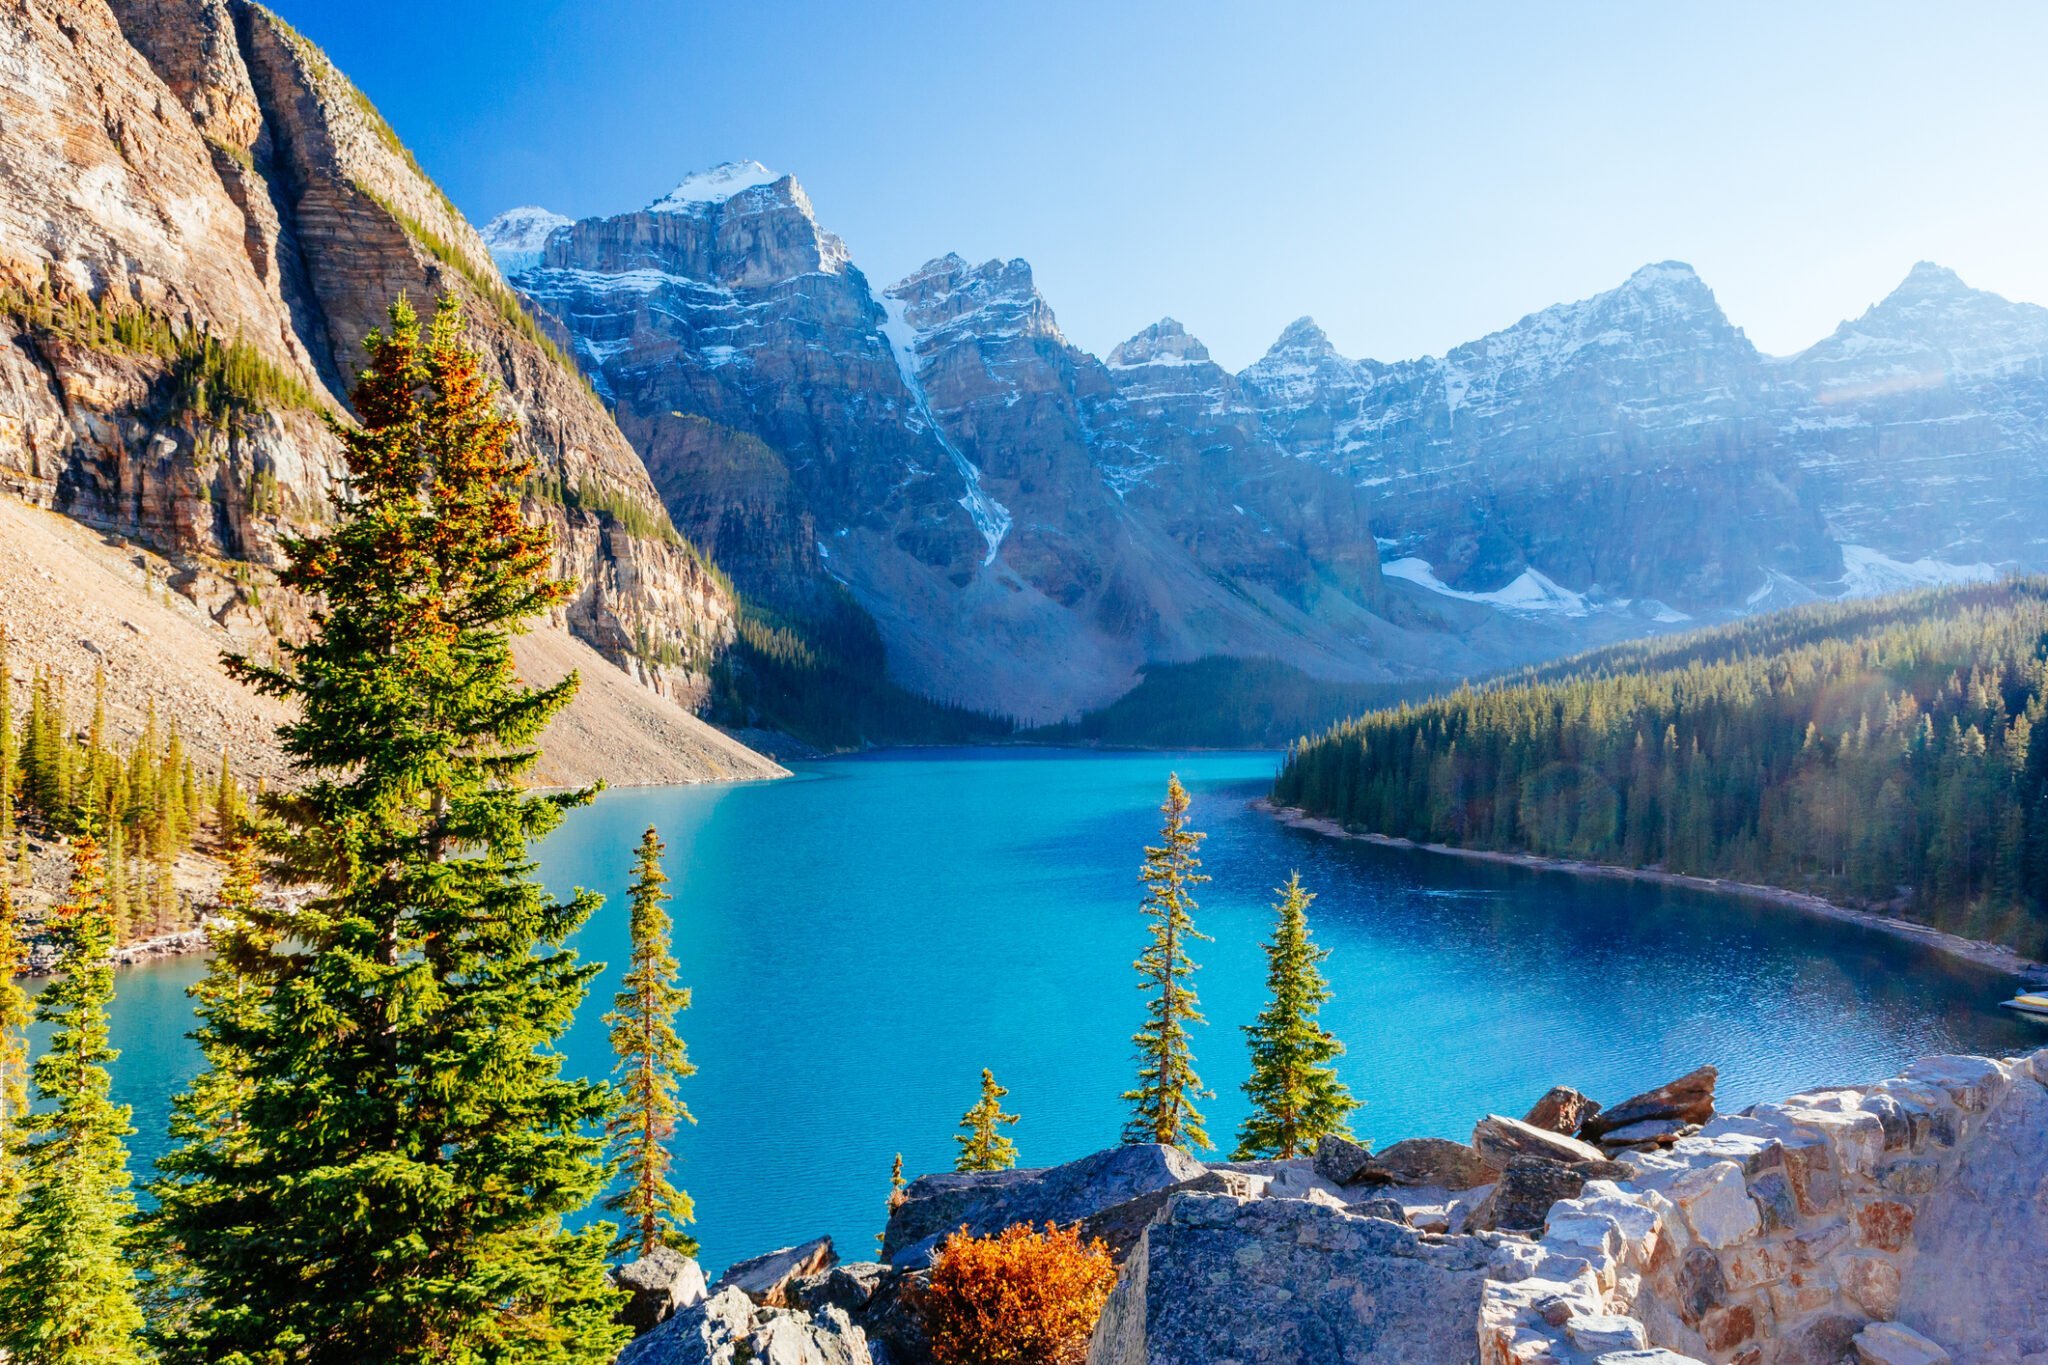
{"x": 766, "y": 1278}
{"x": 659, "y": 1283}
{"x": 728, "y": 1329}
{"x": 1437, "y": 1162}
{"x": 936, "y": 1205}
{"x": 1280, "y": 1281}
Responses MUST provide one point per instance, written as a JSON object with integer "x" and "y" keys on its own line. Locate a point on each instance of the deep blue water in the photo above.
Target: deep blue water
{"x": 864, "y": 938}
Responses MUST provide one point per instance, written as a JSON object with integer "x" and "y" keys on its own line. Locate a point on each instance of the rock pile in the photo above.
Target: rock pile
{"x": 1893, "y": 1224}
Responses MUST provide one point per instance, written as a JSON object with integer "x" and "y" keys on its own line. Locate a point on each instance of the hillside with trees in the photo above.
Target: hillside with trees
{"x": 1878, "y": 752}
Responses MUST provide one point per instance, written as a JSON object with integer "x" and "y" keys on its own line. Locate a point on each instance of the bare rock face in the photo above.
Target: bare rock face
{"x": 239, "y": 185}
{"x": 1290, "y": 1280}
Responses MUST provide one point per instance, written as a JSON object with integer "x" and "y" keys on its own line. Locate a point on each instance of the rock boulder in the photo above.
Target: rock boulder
{"x": 1498, "y": 1140}
{"x": 1689, "y": 1099}
{"x": 727, "y": 1329}
{"x": 766, "y": 1278}
{"x": 660, "y": 1282}
{"x": 1430, "y": 1161}
{"x": 1561, "y": 1110}
{"x": 1271, "y": 1280}
{"x": 936, "y": 1205}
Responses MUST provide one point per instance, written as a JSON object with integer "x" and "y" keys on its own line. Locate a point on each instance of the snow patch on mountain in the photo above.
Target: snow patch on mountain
{"x": 1868, "y": 573}
{"x": 1531, "y": 592}
{"x": 714, "y": 186}
{"x": 990, "y": 517}
{"x": 517, "y": 237}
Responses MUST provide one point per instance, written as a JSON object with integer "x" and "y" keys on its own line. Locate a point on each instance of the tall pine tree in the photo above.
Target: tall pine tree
{"x": 1163, "y": 1104}
{"x": 405, "y": 1145}
{"x": 651, "y": 1062}
{"x": 1296, "y": 1096}
{"x": 984, "y": 1147}
{"x": 67, "y": 1293}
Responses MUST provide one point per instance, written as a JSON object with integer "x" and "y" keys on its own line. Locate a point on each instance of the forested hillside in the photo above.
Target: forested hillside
{"x": 1876, "y": 752}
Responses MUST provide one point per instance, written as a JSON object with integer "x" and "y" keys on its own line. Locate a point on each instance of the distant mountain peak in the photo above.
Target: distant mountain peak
{"x": 517, "y": 237}
{"x": 1165, "y": 342}
{"x": 1303, "y": 334}
{"x": 714, "y": 186}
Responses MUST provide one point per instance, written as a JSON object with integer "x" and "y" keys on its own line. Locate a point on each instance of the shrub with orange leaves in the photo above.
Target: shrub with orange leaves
{"x": 1018, "y": 1297}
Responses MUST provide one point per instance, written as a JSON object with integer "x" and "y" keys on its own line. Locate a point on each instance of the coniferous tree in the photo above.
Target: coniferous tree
{"x": 984, "y": 1147}
{"x": 67, "y": 1294}
{"x": 15, "y": 1015}
{"x": 9, "y": 752}
{"x": 1295, "y": 1094}
{"x": 1163, "y": 1104}
{"x": 652, "y": 1060}
{"x": 403, "y": 1136}
{"x": 896, "y": 1184}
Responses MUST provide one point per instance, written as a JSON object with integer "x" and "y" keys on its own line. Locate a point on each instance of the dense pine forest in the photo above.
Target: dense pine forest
{"x": 146, "y": 801}
{"x": 1879, "y": 753}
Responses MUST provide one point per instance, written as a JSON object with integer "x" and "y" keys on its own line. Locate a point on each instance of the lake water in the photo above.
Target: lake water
{"x": 863, "y": 938}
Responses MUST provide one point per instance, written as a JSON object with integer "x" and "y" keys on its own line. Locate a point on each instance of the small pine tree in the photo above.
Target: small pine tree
{"x": 651, "y": 1062}
{"x": 896, "y": 1196}
{"x": 1296, "y": 1096}
{"x": 1163, "y": 1104}
{"x": 68, "y": 1297}
{"x": 983, "y": 1147}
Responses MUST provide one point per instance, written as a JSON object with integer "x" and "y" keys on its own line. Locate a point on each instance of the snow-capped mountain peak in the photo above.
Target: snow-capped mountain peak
{"x": 517, "y": 237}
{"x": 714, "y": 186}
{"x": 1165, "y": 342}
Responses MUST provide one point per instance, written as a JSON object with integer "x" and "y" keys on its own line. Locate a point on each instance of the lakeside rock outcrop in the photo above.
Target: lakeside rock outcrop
{"x": 1895, "y": 1223}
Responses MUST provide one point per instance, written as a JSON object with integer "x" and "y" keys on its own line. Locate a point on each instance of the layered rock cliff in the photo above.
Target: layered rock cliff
{"x": 183, "y": 174}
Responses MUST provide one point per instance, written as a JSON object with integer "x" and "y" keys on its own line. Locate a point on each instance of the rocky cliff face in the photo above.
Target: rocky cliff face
{"x": 1026, "y": 525}
{"x": 177, "y": 169}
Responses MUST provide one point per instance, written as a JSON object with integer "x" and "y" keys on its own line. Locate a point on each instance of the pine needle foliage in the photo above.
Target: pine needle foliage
{"x": 1163, "y": 1104}
{"x": 652, "y": 1061}
{"x": 389, "y": 1181}
{"x": 984, "y": 1146}
{"x": 1296, "y": 1096}
{"x": 67, "y": 1293}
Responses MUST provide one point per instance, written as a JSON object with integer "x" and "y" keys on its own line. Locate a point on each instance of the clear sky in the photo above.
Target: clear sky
{"x": 1413, "y": 176}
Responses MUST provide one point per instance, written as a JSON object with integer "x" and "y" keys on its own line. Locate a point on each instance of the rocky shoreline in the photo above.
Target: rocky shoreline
{"x": 1885, "y": 1223}
{"x": 1996, "y": 956}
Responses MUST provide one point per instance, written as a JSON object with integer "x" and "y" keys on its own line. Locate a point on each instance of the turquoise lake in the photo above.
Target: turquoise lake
{"x": 863, "y": 938}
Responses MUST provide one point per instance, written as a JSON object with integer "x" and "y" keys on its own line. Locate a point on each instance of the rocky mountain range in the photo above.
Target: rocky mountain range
{"x": 200, "y": 218}
{"x": 1030, "y": 526}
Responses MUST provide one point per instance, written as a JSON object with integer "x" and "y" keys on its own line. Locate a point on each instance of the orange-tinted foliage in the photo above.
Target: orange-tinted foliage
{"x": 1019, "y": 1297}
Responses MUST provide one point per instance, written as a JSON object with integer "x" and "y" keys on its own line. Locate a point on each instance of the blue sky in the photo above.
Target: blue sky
{"x": 1412, "y": 176}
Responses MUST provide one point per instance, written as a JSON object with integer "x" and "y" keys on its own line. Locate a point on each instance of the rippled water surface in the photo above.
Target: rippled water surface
{"x": 863, "y": 938}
